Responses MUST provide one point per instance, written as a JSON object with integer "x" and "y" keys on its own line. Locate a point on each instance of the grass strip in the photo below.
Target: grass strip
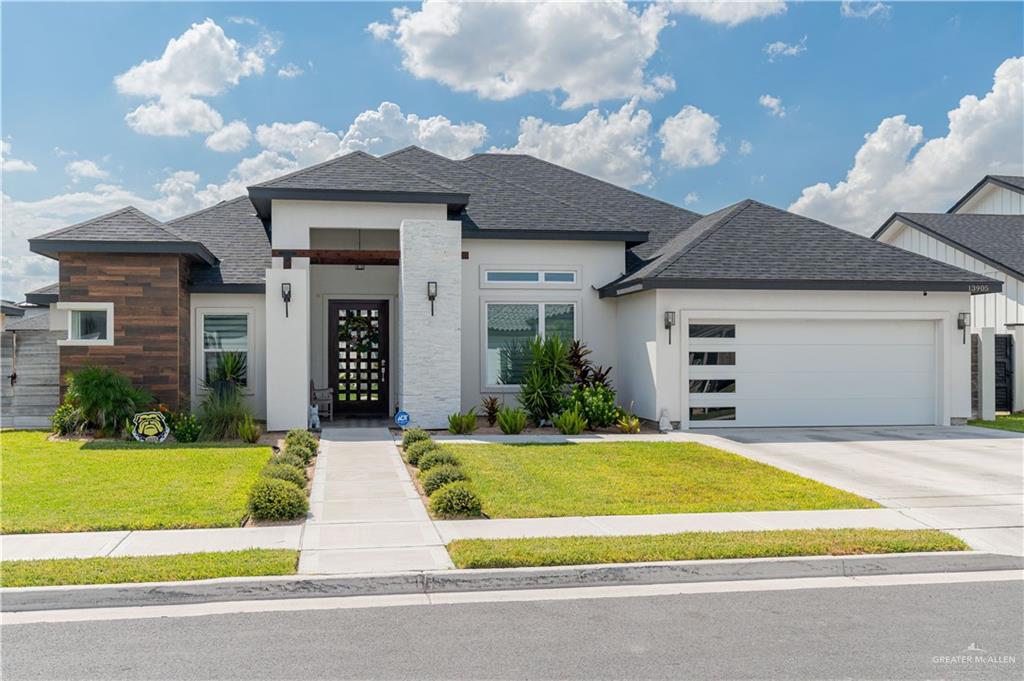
{"x": 551, "y": 551}
{"x": 1011, "y": 422}
{"x": 123, "y": 569}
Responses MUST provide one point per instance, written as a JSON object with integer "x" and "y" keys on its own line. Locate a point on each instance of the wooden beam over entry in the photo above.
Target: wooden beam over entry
{"x": 341, "y": 257}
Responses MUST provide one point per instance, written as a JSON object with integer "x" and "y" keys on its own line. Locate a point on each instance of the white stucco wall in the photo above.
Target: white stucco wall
{"x": 287, "y": 340}
{"x": 251, "y": 304}
{"x": 596, "y": 264}
{"x": 293, "y": 220}
{"x": 668, "y": 363}
{"x": 637, "y": 326}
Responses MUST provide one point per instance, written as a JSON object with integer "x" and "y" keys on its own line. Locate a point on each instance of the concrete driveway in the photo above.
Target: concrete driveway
{"x": 967, "y": 480}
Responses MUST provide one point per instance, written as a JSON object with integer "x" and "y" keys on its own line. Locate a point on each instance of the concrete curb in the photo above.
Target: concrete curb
{"x": 268, "y": 588}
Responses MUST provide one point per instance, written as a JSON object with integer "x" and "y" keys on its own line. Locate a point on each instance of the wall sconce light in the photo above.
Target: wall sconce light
{"x": 431, "y": 295}
{"x": 286, "y": 296}
{"x": 670, "y": 321}
{"x": 963, "y": 321}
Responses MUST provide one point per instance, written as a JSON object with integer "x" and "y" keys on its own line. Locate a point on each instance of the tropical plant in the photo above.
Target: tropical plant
{"x": 628, "y": 423}
{"x": 462, "y": 424}
{"x": 66, "y": 420}
{"x": 103, "y": 399}
{"x": 584, "y": 372}
{"x": 221, "y": 413}
{"x": 491, "y": 405}
{"x": 570, "y": 422}
{"x": 229, "y": 374}
{"x": 511, "y": 420}
{"x": 513, "y": 357}
{"x": 185, "y": 427}
{"x": 249, "y": 430}
{"x": 595, "y": 402}
{"x": 546, "y": 376}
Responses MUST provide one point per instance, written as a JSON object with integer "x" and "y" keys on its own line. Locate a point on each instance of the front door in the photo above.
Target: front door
{"x": 357, "y": 357}
{"x": 1004, "y": 372}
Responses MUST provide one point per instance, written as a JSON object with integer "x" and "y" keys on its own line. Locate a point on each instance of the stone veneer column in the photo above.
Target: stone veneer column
{"x": 287, "y": 341}
{"x": 429, "y": 346}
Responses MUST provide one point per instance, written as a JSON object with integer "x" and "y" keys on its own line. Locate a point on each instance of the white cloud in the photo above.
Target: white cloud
{"x": 783, "y": 49}
{"x": 307, "y": 142}
{"x": 984, "y": 137}
{"x": 730, "y": 12}
{"x": 864, "y": 10}
{"x": 201, "y": 62}
{"x": 691, "y": 198}
{"x": 248, "y": 21}
{"x": 612, "y": 147}
{"x": 773, "y": 105}
{"x": 13, "y": 165}
{"x": 387, "y": 129}
{"x": 690, "y": 139}
{"x": 234, "y": 136}
{"x": 499, "y": 50}
{"x": 84, "y": 169}
{"x": 746, "y": 148}
{"x": 290, "y": 70}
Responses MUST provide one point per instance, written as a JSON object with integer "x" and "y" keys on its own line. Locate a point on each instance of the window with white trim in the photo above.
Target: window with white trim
{"x": 509, "y": 328}
{"x": 530, "y": 278}
{"x": 223, "y": 333}
{"x": 88, "y": 323}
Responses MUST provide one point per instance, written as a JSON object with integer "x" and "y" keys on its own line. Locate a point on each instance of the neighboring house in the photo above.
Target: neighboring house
{"x": 983, "y": 232}
{"x": 412, "y": 281}
{"x": 29, "y": 390}
{"x": 9, "y": 310}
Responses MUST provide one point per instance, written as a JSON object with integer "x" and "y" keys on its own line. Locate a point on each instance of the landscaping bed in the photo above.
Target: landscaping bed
{"x": 626, "y": 478}
{"x": 553, "y": 551}
{"x": 124, "y": 569}
{"x": 1011, "y": 422}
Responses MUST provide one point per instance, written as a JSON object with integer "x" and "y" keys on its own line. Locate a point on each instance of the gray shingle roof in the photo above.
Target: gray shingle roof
{"x": 34, "y": 322}
{"x": 499, "y": 204}
{"x": 44, "y": 295}
{"x": 357, "y": 171}
{"x": 1013, "y": 180}
{"x": 995, "y": 239}
{"x": 233, "y": 232}
{"x": 753, "y": 245}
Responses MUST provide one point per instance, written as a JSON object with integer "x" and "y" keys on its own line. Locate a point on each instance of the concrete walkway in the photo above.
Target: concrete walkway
{"x": 365, "y": 514}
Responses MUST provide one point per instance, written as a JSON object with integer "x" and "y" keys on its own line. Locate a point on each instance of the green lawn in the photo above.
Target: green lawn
{"x": 622, "y": 478}
{"x": 76, "y": 486}
{"x": 539, "y": 552}
{"x": 248, "y": 563}
{"x": 1014, "y": 422}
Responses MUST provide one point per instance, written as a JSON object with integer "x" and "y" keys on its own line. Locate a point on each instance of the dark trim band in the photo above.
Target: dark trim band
{"x": 228, "y": 288}
{"x": 41, "y": 298}
{"x": 631, "y": 237}
{"x": 635, "y": 286}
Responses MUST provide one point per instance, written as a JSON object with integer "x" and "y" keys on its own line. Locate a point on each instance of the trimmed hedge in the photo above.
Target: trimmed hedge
{"x": 414, "y": 435}
{"x": 417, "y": 449}
{"x": 437, "y": 457}
{"x": 282, "y": 471}
{"x": 274, "y": 499}
{"x": 454, "y": 500}
{"x": 289, "y": 460}
{"x": 438, "y": 477}
{"x": 301, "y": 450}
{"x": 302, "y": 437}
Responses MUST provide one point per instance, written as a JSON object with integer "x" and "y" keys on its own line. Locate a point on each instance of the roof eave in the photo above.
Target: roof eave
{"x": 52, "y": 248}
{"x": 976, "y": 188}
{"x": 261, "y": 197}
{"x": 42, "y": 299}
{"x": 636, "y": 285}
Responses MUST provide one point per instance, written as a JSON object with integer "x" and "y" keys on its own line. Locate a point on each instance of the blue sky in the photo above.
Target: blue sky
{"x": 677, "y": 104}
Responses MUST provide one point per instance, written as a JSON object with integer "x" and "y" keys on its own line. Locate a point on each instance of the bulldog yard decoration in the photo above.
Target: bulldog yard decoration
{"x": 150, "y": 426}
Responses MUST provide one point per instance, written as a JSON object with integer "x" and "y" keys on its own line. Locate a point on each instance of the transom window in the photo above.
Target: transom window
{"x": 224, "y": 334}
{"x": 508, "y": 278}
{"x": 509, "y": 329}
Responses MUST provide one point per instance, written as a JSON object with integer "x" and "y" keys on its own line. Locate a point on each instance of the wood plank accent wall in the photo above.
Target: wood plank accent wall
{"x": 151, "y": 318}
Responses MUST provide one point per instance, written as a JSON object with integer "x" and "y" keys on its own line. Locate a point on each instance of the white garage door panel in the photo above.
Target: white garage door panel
{"x": 824, "y": 373}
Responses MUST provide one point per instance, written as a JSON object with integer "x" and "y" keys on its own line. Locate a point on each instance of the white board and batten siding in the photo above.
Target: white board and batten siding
{"x": 994, "y": 200}
{"x": 991, "y": 310}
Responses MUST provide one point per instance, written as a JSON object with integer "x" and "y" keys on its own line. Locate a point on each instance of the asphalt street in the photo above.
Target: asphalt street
{"x": 967, "y": 630}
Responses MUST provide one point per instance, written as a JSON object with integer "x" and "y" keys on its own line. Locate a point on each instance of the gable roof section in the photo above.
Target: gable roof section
{"x": 33, "y": 322}
{"x": 997, "y": 240}
{"x": 236, "y": 236}
{"x": 621, "y": 206}
{"x": 750, "y": 245}
{"x": 44, "y": 295}
{"x": 1014, "y": 183}
{"x": 127, "y": 230}
{"x": 499, "y": 208}
{"x": 357, "y": 176}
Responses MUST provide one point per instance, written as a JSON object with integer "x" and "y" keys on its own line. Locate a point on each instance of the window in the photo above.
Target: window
{"x": 511, "y": 327}
{"x": 712, "y": 330}
{"x": 507, "y": 277}
{"x": 224, "y": 334}
{"x": 712, "y": 413}
{"x": 702, "y": 359}
{"x": 713, "y": 386}
{"x": 88, "y": 323}
{"x": 560, "y": 278}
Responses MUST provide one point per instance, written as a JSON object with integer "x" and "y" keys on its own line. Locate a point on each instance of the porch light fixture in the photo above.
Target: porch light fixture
{"x": 286, "y": 295}
{"x": 670, "y": 321}
{"x": 963, "y": 321}
{"x": 431, "y": 295}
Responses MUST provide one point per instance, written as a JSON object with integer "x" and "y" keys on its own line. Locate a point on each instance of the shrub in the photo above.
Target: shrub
{"x": 462, "y": 424}
{"x": 249, "y": 430}
{"x": 222, "y": 413}
{"x": 491, "y": 407}
{"x": 417, "y": 449}
{"x": 570, "y": 422}
{"x": 628, "y": 423}
{"x": 596, "y": 403}
{"x": 300, "y": 450}
{"x": 545, "y": 378}
{"x": 185, "y": 427}
{"x": 275, "y": 499}
{"x": 414, "y": 435}
{"x": 437, "y": 457}
{"x": 454, "y": 500}
{"x": 283, "y": 471}
{"x": 439, "y": 476}
{"x": 301, "y": 436}
{"x": 104, "y": 398}
{"x": 511, "y": 421}
{"x": 289, "y": 460}
{"x": 584, "y": 372}
{"x": 66, "y": 419}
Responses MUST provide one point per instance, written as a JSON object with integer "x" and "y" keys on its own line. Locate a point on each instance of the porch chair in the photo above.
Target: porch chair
{"x": 322, "y": 399}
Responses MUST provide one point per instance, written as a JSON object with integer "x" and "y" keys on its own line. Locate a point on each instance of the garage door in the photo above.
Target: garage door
{"x": 811, "y": 373}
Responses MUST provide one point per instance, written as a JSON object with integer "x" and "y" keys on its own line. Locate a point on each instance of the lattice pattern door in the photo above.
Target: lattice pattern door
{"x": 358, "y": 356}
